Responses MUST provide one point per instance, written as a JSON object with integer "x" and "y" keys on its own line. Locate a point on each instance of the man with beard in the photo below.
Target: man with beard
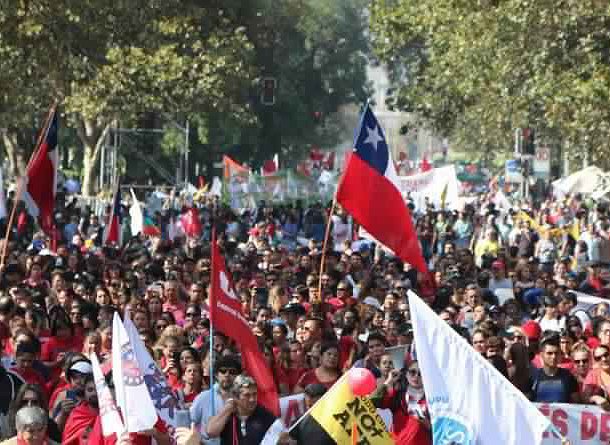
{"x": 80, "y": 421}
{"x": 227, "y": 368}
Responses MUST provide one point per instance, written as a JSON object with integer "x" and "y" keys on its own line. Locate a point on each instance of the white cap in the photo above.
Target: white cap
{"x": 371, "y": 301}
{"x": 82, "y": 367}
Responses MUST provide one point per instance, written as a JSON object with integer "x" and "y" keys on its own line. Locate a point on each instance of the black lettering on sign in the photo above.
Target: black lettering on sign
{"x": 356, "y": 407}
{"x": 369, "y": 423}
{"x": 343, "y": 419}
{"x": 363, "y": 440}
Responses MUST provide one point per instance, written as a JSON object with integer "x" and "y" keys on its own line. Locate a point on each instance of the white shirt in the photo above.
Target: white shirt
{"x": 556, "y": 324}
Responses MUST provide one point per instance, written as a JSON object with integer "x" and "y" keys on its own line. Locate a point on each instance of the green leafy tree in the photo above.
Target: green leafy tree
{"x": 477, "y": 70}
{"x": 106, "y": 61}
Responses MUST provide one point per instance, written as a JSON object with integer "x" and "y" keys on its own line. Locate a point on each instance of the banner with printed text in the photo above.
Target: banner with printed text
{"x": 434, "y": 185}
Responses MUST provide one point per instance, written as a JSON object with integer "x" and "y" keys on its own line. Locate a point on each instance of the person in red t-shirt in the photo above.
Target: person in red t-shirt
{"x": 192, "y": 384}
{"x": 170, "y": 361}
{"x": 61, "y": 341}
{"x": 328, "y": 371}
{"x": 24, "y": 358}
{"x": 82, "y": 418}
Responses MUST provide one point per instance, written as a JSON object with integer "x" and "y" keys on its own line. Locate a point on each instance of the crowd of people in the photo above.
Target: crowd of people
{"x": 507, "y": 280}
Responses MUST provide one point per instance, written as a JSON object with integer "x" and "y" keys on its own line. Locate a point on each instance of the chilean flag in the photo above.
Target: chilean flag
{"x": 369, "y": 191}
{"x": 41, "y": 177}
{"x": 114, "y": 228}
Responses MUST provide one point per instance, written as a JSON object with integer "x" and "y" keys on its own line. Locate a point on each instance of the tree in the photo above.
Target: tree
{"x": 476, "y": 71}
{"x": 317, "y": 51}
{"x": 109, "y": 61}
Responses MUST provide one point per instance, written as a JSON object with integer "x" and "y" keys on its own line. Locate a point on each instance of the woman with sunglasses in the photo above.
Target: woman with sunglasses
{"x": 597, "y": 383}
{"x": 403, "y": 393}
{"x": 31, "y": 395}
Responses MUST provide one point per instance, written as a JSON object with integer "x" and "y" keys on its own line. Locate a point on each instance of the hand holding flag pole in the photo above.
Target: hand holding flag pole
{"x": 323, "y": 258}
{"x": 21, "y": 182}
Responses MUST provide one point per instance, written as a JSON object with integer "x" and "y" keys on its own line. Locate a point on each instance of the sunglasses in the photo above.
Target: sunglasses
{"x": 581, "y": 362}
{"x": 30, "y": 402}
{"x": 231, "y": 371}
{"x": 600, "y": 357}
{"x": 414, "y": 372}
{"x": 192, "y": 314}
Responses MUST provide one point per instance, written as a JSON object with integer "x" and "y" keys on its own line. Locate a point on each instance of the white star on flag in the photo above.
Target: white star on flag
{"x": 373, "y": 137}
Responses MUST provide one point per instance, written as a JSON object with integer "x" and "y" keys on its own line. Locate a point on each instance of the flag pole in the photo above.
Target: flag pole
{"x": 211, "y": 334}
{"x": 21, "y": 182}
{"x": 326, "y": 236}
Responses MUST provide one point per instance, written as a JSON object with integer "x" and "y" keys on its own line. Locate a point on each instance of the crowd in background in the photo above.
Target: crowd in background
{"x": 506, "y": 279}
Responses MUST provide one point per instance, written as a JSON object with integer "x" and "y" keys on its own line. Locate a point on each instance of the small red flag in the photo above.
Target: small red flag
{"x": 191, "y": 224}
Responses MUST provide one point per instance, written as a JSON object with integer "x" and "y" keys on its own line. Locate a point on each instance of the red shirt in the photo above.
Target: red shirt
{"x": 311, "y": 377}
{"x": 289, "y": 377}
{"x": 31, "y": 376}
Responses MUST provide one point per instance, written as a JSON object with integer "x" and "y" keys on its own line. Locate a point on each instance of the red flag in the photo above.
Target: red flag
{"x": 41, "y": 177}
{"x": 191, "y": 223}
{"x": 425, "y": 166}
{"x": 22, "y": 222}
{"x": 227, "y": 316}
{"x": 114, "y": 228}
{"x": 269, "y": 167}
{"x": 315, "y": 154}
{"x": 369, "y": 191}
{"x": 329, "y": 161}
{"x": 81, "y": 419}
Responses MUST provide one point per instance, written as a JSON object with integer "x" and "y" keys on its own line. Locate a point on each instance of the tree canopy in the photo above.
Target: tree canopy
{"x": 118, "y": 63}
{"x": 477, "y": 70}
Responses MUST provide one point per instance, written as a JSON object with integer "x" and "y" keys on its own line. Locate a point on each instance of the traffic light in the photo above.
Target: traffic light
{"x": 268, "y": 93}
{"x": 529, "y": 141}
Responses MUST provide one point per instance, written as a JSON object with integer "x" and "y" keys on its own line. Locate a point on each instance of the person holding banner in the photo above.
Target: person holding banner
{"x": 552, "y": 384}
{"x": 402, "y": 393}
{"x": 597, "y": 383}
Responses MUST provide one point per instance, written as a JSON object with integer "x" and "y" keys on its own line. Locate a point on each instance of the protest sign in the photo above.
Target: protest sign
{"x": 580, "y": 424}
{"x": 432, "y": 184}
{"x": 398, "y": 354}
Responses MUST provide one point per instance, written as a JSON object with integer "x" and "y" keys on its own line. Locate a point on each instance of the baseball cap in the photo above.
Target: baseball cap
{"x": 293, "y": 307}
{"x": 82, "y": 367}
{"x": 497, "y": 264}
{"x": 370, "y": 301}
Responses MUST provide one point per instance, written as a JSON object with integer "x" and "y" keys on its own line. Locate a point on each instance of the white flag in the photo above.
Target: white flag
{"x": 136, "y": 215}
{"x": 276, "y": 161}
{"x": 162, "y": 395}
{"x": 131, "y": 393}
{"x": 216, "y": 189}
{"x": 111, "y": 420}
{"x": 470, "y": 402}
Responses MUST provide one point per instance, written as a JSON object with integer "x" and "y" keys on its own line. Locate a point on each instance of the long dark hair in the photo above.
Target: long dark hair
{"x": 17, "y": 404}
